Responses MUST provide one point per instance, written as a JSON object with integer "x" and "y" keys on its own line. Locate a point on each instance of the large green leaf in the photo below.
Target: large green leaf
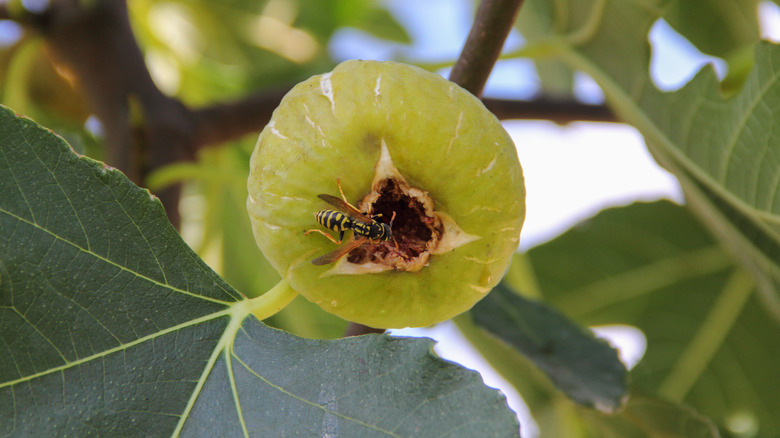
{"x": 710, "y": 343}
{"x": 111, "y": 325}
{"x": 364, "y": 386}
{"x": 586, "y": 368}
{"x": 725, "y": 153}
{"x": 721, "y": 149}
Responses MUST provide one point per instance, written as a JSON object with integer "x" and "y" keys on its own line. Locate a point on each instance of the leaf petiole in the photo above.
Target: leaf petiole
{"x": 271, "y": 302}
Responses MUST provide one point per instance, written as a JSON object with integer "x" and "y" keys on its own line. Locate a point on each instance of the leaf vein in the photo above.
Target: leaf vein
{"x": 303, "y": 400}
{"x": 739, "y": 128}
{"x": 111, "y": 262}
{"x": 18, "y": 185}
{"x": 118, "y": 348}
{"x": 35, "y": 327}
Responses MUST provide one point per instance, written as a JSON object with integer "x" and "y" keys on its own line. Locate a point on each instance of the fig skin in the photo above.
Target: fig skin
{"x": 440, "y": 138}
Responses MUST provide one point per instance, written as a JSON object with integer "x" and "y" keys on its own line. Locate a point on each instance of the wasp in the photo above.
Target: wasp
{"x": 364, "y": 226}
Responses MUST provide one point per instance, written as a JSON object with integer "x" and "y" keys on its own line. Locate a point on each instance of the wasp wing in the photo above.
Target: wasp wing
{"x": 339, "y": 253}
{"x": 346, "y": 207}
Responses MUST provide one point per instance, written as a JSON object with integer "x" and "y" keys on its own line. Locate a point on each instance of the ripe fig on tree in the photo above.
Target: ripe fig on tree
{"x": 403, "y": 142}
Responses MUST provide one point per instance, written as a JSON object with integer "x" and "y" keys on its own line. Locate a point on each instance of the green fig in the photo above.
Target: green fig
{"x": 410, "y": 150}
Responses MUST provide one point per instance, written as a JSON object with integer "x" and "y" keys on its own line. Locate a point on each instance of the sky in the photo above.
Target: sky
{"x": 571, "y": 172}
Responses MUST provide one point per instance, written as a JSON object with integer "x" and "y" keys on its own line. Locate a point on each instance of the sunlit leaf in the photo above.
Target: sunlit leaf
{"x": 536, "y": 21}
{"x": 380, "y": 23}
{"x": 720, "y": 28}
{"x": 619, "y": 30}
{"x": 720, "y": 149}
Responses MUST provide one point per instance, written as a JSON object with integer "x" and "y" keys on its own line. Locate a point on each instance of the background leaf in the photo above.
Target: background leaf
{"x": 647, "y": 417}
{"x": 715, "y": 146}
{"x": 722, "y": 148}
{"x": 110, "y": 324}
{"x": 721, "y": 28}
{"x": 587, "y": 369}
{"x": 557, "y": 416}
{"x": 537, "y": 21}
{"x": 710, "y": 344}
{"x": 372, "y": 18}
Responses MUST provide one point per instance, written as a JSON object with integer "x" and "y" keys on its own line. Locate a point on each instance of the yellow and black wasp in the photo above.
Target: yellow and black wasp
{"x": 364, "y": 226}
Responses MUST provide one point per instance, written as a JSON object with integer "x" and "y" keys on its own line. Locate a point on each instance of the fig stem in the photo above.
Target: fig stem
{"x": 271, "y": 302}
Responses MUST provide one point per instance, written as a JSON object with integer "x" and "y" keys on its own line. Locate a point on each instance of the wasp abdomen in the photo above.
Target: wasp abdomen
{"x": 334, "y": 220}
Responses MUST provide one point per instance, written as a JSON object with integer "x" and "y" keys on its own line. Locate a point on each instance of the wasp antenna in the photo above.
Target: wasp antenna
{"x": 314, "y": 230}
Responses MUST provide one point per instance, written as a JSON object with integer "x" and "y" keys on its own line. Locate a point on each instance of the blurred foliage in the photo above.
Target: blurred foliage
{"x": 205, "y": 52}
{"x": 651, "y": 266}
{"x": 720, "y": 28}
{"x": 218, "y": 50}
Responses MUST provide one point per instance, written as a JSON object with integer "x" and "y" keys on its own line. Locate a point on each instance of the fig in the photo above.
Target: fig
{"x": 408, "y": 149}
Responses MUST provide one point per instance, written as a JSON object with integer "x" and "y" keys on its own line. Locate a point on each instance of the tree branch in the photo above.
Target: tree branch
{"x": 222, "y": 122}
{"x": 556, "y": 110}
{"x": 483, "y": 46}
{"x": 97, "y": 43}
{"x": 144, "y": 129}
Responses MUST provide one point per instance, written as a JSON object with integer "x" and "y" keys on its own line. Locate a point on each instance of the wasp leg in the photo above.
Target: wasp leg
{"x": 314, "y": 230}
{"x": 338, "y": 182}
{"x": 391, "y": 229}
{"x": 344, "y": 198}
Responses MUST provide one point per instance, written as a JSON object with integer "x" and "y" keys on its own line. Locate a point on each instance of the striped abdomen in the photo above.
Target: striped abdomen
{"x": 341, "y": 222}
{"x": 334, "y": 220}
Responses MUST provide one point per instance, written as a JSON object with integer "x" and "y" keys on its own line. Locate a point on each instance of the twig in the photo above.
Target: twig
{"x": 483, "y": 46}
{"x": 228, "y": 121}
{"x": 556, "y": 110}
